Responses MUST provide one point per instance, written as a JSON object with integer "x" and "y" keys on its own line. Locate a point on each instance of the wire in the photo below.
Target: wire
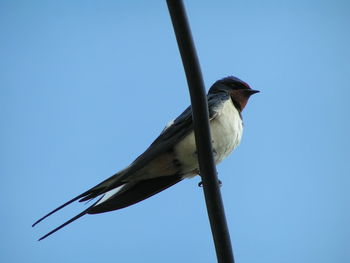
{"x": 207, "y": 167}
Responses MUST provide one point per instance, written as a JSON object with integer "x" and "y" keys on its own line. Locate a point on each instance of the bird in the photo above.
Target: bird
{"x": 172, "y": 156}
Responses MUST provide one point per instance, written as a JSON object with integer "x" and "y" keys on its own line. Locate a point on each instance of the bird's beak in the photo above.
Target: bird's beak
{"x": 251, "y": 91}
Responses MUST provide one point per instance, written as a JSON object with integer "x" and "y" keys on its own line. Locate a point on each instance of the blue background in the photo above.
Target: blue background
{"x": 86, "y": 86}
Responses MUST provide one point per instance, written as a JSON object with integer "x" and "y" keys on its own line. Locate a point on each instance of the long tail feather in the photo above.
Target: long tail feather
{"x": 68, "y": 222}
{"x": 60, "y": 207}
{"x": 132, "y": 194}
{"x": 90, "y": 194}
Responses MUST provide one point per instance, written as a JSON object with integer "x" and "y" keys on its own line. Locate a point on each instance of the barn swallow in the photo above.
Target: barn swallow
{"x": 173, "y": 155}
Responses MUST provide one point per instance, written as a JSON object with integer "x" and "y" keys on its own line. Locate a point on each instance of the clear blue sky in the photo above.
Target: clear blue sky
{"x": 86, "y": 86}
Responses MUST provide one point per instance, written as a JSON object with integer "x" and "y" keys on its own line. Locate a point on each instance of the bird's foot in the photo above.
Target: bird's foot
{"x": 219, "y": 182}
{"x": 200, "y": 184}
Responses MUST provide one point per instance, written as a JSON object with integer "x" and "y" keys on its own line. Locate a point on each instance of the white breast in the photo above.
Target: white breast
{"x": 226, "y": 132}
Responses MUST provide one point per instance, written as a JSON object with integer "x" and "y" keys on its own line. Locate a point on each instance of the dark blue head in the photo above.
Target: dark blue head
{"x": 238, "y": 90}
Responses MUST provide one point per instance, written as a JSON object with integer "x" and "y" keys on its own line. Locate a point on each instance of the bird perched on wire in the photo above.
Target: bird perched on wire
{"x": 173, "y": 155}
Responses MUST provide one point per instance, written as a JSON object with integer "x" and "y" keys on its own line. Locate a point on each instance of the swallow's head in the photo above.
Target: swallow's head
{"x": 238, "y": 90}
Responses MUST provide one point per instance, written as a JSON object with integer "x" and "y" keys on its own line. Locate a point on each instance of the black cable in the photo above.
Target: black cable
{"x": 207, "y": 167}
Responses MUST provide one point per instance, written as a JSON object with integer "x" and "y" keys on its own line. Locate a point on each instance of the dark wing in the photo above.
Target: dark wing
{"x": 138, "y": 191}
{"x": 134, "y": 191}
{"x": 181, "y": 127}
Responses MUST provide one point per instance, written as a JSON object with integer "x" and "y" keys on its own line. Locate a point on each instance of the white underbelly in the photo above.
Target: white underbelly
{"x": 226, "y": 132}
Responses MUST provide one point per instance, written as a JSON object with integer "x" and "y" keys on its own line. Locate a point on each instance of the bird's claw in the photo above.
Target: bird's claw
{"x": 200, "y": 184}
